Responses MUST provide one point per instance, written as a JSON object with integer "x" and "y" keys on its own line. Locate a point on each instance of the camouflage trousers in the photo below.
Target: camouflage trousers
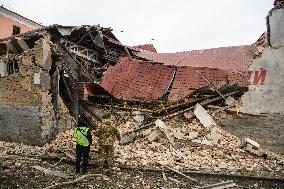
{"x": 106, "y": 156}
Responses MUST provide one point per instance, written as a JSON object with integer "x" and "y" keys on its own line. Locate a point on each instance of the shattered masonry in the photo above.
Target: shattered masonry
{"x": 49, "y": 73}
{"x": 27, "y": 105}
{"x": 40, "y": 78}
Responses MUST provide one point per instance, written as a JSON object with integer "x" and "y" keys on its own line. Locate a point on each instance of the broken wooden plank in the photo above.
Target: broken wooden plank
{"x": 205, "y": 102}
{"x": 125, "y": 108}
{"x": 63, "y": 184}
{"x": 174, "y": 180}
{"x": 221, "y": 185}
{"x": 177, "y": 172}
{"x": 211, "y": 85}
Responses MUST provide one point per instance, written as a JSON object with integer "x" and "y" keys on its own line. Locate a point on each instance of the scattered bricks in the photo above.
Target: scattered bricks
{"x": 153, "y": 136}
{"x": 126, "y": 139}
{"x": 189, "y": 115}
{"x": 214, "y": 135}
{"x": 205, "y": 119}
{"x": 192, "y": 135}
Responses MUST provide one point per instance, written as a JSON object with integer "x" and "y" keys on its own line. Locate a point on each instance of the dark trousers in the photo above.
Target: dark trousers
{"x": 82, "y": 151}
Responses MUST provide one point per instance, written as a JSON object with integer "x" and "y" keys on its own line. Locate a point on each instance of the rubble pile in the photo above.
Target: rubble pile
{"x": 192, "y": 147}
{"x": 7, "y": 148}
{"x": 179, "y": 144}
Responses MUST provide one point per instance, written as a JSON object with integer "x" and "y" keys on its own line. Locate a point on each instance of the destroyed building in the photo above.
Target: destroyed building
{"x": 50, "y": 73}
{"x": 178, "y": 113}
{"x": 40, "y": 75}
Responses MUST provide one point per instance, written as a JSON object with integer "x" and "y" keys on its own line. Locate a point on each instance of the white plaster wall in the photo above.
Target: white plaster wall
{"x": 276, "y": 22}
{"x": 267, "y": 97}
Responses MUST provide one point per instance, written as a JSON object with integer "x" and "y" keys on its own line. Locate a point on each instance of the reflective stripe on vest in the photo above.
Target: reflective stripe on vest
{"x": 81, "y": 136}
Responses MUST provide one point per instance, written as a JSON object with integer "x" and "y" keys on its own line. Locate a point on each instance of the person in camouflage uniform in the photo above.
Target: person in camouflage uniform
{"x": 107, "y": 133}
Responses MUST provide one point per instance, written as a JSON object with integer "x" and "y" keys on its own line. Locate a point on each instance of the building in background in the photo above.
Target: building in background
{"x": 12, "y": 23}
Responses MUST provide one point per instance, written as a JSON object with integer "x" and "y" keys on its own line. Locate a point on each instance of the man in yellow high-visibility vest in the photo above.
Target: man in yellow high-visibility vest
{"x": 83, "y": 141}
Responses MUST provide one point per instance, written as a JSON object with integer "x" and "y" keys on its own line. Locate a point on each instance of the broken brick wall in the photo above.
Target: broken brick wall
{"x": 27, "y": 114}
{"x": 266, "y": 87}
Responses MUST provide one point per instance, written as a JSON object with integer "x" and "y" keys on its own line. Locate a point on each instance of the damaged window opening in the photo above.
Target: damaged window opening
{"x": 16, "y": 30}
{"x": 13, "y": 67}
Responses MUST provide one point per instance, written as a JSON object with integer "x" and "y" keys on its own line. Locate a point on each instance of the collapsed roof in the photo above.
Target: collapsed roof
{"x": 93, "y": 54}
{"x": 91, "y": 48}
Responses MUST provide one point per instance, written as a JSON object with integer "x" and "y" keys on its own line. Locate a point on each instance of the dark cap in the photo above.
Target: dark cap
{"x": 82, "y": 122}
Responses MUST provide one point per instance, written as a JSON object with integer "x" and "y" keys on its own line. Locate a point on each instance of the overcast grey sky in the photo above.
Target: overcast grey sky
{"x": 175, "y": 25}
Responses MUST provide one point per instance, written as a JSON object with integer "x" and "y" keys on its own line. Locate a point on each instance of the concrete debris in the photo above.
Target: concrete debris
{"x": 181, "y": 145}
{"x": 153, "y": 136}
{"x": 230, "y": 101}
{"x": 214, "y": 135}
{"x": 205, "y": 119}
{"x": 189, "y": 115}
{"x": 251, "y": 142}
{"x": 164, "y": 176}
{"x": 159, "y": 123}
{"x": 139, "y": 119}
{"x": 128, "y": 138}
{"x": 192, "y": 135}
{"x": 51, "y": 172}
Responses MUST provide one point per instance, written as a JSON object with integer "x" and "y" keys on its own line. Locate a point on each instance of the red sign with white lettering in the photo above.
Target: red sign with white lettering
{"x": 258, "y": 77}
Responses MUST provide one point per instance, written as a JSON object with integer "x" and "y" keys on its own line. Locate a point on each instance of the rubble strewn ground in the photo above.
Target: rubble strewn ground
{"x": 268, "y": 130}
{"x": 179, "y": 119}
{"x": 184, "y": 145}
{"x": 20, "y": 175}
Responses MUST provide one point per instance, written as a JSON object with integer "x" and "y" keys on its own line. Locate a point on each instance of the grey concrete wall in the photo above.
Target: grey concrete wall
{"x": 24, "y": 125}
{"x": 276, "y": 23}
{"x": 266, "y": 89}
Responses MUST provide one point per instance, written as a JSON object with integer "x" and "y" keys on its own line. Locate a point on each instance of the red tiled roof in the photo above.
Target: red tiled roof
{"x": 188, "y": 80}
{"x": 146, "y": 47}
{"x": 137, "y": 80}
{"x": 236, "y": 58}
{"x": 145, "y": 80}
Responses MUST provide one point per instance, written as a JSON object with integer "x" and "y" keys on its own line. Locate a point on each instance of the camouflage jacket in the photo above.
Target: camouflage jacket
{"x": 107, "y": 133}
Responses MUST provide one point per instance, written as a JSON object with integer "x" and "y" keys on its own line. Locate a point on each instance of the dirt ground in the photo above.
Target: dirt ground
{"x": 24, "y": 176}
{"x": 267, "y": 130}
